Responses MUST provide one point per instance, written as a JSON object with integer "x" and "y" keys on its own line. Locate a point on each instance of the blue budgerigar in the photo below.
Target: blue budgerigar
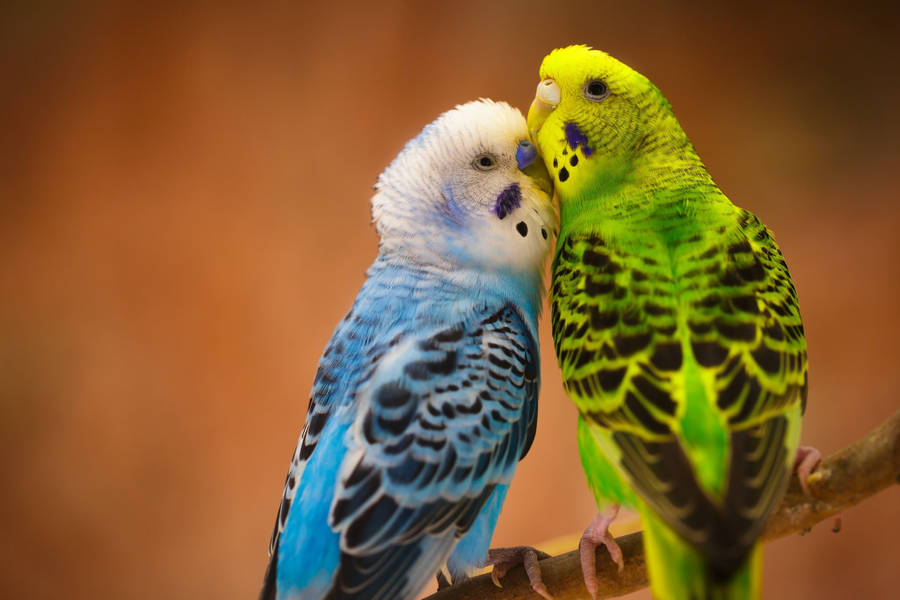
{"x": 426, "y": 396}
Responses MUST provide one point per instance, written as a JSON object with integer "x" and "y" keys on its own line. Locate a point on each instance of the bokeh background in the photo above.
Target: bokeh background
{"x": 185, "y": 218}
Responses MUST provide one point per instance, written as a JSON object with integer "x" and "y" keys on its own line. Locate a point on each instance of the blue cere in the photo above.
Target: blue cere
{"x": 526, "y": 154}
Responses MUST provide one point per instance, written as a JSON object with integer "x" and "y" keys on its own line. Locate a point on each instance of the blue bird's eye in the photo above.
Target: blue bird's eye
{"x": 484, "y": 162}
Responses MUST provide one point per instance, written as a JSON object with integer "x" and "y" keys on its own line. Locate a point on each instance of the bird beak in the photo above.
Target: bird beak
{"x": 529, "y": 163}
{"x": 546, "y": 99}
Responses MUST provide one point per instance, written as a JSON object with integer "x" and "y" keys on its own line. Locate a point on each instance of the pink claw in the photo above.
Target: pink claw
{"x": 838, "y": 524}
{"x": 598, "y": 533}
{"x": 503, "y": 559}
{"x": 805, "y": 462}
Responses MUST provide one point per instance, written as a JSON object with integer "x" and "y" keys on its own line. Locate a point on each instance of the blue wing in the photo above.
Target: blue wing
{"x": 440, "y": 418}
{"x": 444, "y": 418}
{"x": 336, "y": 374}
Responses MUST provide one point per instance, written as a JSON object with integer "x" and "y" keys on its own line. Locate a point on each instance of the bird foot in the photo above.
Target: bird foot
{"x": 503, "y": 559}
{"x": 805, "y": 462}
{"x": 442, "y": 581}
{"x": 597, "y": 533}
{"x": 838, "y": 524}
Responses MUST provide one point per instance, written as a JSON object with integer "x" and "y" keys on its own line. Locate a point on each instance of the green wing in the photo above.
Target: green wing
{"x": 689, "y": 352}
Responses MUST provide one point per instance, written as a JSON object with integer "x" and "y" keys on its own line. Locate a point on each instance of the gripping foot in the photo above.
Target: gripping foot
{"x": 503, "y": 559}
{"x": 597, "y": 533}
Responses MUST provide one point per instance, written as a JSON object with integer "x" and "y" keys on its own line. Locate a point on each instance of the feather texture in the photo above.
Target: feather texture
{"x": 425, "y": 398}
{"x": 676, "y": 326}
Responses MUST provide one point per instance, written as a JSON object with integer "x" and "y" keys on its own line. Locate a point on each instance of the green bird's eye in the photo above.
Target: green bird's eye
{"x": 596, "y": 89}
{"x": 484, "y": 162}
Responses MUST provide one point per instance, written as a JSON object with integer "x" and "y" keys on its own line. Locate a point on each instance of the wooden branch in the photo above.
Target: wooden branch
{"x": 840, "y": 481}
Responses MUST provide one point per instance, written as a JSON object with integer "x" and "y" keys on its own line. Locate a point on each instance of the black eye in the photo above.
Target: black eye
{"x": 596, "y": 89}
{"x": 484, "y": 162}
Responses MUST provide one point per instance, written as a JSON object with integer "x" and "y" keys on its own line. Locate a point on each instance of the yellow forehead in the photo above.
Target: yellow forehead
{"x": 573, "y": 66}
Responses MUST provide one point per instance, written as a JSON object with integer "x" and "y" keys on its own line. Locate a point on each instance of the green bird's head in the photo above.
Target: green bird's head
{"x": 598, "y": 123}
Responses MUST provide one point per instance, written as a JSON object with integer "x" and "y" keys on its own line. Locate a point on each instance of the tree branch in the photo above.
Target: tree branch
{"x": 840, "y": 481}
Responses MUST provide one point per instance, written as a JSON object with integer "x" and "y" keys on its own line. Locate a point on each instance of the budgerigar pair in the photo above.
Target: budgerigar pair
{"x": 426, "y": 396}
{"x": 675, "y": 323}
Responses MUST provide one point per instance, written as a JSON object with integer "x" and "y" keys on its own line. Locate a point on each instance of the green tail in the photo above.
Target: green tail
{"x": 678, "y": 572}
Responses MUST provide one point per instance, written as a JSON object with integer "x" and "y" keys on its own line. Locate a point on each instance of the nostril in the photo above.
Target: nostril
{"x": 544, "y": 233}
{"x": 522, "y": 228}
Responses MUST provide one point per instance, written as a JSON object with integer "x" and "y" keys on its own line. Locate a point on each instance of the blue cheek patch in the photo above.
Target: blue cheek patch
{"x": 576, "y": 138}
{"x": 526, "y": 154}
{"x": 508, "y": 200}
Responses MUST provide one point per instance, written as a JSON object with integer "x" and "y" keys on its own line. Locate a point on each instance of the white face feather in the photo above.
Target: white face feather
{"x": 455, "y": 197}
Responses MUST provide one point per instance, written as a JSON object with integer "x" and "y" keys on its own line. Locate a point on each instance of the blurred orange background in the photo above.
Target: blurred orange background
{"x": 185, "y": 219}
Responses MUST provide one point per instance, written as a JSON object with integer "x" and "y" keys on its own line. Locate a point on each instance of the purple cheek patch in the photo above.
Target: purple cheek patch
{"x": 575, "y": 138}
{"x": 508, "y": 200}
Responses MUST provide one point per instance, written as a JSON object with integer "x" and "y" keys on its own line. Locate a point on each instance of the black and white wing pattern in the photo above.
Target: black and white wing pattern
{"x": 443, "y": 418}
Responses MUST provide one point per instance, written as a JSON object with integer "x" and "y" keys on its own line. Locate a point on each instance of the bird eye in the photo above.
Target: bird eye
{"x": 596, "y": 89}
{"x": 484, "y": 162}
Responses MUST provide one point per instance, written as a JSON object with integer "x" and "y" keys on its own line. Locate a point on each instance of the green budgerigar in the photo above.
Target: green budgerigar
{"x": 677, "y": 330}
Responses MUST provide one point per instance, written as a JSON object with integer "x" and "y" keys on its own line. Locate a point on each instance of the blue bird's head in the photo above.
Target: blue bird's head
{"x": 469, "y": 192}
